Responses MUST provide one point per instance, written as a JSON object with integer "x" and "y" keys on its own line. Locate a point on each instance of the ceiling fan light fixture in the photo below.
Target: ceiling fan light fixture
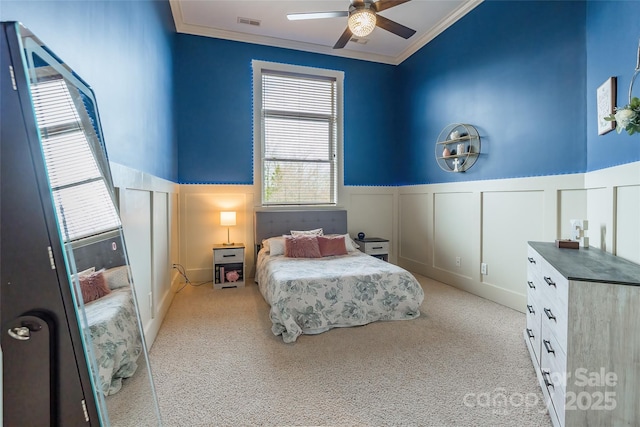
{"x": 362, "y": 22}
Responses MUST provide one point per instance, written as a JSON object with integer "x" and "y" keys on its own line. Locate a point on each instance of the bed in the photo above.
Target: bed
{"x": 112, "y": 325}
{"x": 314, "y": 295}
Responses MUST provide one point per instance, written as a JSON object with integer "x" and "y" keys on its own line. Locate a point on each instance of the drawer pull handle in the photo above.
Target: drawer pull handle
{"x": 550, "y": 282}
{"x": 547, "y": 379}
{"x": 228, "y": 256}
{"x": 531, "y": 310}
{"x": 531, "y": 285}
{"x": 530, "y": 333}
{"x": 376, "y": 247}
{"x": 547, "y": 345}
{"x": 549, "y": 314}
{"x": 531, "y": 260}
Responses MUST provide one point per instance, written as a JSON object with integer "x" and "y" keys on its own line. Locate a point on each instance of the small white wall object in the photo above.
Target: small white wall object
{"x": 578, "y": 227}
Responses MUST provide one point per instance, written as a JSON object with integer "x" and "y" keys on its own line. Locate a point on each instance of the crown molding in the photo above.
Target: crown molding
{"x": 182, "y": 27}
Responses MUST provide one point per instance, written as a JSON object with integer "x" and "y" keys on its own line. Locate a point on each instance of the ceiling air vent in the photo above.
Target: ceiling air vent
{"x": 249, "y": 21}
{"x": 359, "y": 41}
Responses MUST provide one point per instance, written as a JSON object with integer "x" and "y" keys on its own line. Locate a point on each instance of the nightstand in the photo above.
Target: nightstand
{"x": 374, "y": 246}
{"x": 228, "y": 266}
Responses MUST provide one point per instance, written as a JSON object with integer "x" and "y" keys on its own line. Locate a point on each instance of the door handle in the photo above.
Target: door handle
{"x": 21, "y": 333}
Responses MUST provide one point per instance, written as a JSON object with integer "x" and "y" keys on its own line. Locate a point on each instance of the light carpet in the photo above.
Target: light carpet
{"x": 463, "y": 362}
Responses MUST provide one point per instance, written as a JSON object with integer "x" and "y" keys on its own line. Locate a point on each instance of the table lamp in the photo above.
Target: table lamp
{"x": 228, "y": 219}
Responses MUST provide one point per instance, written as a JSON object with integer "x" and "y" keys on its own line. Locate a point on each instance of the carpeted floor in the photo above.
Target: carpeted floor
{"x": 462, "y": 363}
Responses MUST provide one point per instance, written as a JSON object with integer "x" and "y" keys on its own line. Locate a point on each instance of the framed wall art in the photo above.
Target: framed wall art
{"x": 606, "y": 98}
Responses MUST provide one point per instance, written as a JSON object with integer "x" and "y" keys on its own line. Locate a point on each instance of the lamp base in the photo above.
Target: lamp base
{"x": 228, "y": 244}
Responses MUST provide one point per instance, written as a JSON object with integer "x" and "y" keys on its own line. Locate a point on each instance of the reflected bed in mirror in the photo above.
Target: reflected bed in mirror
{"x": 90, "y": 234}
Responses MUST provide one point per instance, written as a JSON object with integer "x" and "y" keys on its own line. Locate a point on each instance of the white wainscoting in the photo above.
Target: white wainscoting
{"x": 149, "y": 213}
{"x": 200, "y": 207}
{"x": 430, "y": 226}
{"x": 371, "y": 210}
{"x": 502, "y": 215}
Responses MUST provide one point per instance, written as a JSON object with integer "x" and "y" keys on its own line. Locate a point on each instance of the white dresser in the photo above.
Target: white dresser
{"x": 583, "y": 334}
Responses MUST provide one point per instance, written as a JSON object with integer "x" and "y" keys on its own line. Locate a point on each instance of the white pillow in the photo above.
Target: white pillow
{"x": 117, "y": 277}
{"x": 350, "y": 244}
{"x": 274, "y": 245}
{"x": 316, "y": 232}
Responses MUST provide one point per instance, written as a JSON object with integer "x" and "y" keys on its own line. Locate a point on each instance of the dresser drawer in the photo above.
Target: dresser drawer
{"x": 553, "y": 359}
{"x": 534, "y": 260}
{"x": 554, "y": 286}
{"x": 375, "y": 248}
{"x": 554, "y": 321}
{"x": 533, "y": 327}
{"x": 558, "y": 397}
{"x": 228, "y": 255}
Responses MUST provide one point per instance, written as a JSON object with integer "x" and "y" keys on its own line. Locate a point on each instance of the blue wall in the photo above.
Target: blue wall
{"x": 612, "y": 50}
{"x": 516, "y": 71}
{"x": 525, "y": 73}
{"x": 214, "y": 116}
{"x": 124, "y": 50}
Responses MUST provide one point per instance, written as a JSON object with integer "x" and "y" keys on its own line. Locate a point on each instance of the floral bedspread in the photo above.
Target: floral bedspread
{"x": 113, "y": 327}
{"x": 310, "y": 296}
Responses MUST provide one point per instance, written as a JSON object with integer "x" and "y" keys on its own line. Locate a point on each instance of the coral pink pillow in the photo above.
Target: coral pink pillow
{"x": 332, "y": 245}
{"x": 301, "y": 247}
{"x": 93, "y": 286}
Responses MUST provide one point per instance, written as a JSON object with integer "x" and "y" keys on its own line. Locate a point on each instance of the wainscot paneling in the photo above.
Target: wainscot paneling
{"x": 430, "y": 226}
{"x": 372, "y": 214}
{"x": 370, "y": 209}
{"x": 148, "y": 209}
{"x": 628, "y": 223}
{"x": 414, "y": 208}
{"x": 482, "y": 222}
{"x": 600, "y": 213}
{"x": 614, "y": 209}
{"x": 509, "y": 220}
{"x": 136, "y": 215}
{"x": 504, "y": 215}
{"x": 455, "y": 222}
{"x": 573, "y": 205}
{"x": 200, "y": 207}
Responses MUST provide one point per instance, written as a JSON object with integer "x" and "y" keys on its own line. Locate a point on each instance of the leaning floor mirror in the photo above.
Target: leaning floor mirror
{"x": 73, "y": 349}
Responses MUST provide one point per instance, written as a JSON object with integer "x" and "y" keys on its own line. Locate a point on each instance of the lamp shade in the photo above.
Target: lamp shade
{"x": 227, "y": 219}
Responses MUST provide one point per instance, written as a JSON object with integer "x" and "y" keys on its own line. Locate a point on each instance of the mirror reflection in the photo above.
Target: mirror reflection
{"x": 84, "y": 200}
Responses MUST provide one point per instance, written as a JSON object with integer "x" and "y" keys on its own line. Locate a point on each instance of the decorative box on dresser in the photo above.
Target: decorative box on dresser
{"x": 583, "y": 334}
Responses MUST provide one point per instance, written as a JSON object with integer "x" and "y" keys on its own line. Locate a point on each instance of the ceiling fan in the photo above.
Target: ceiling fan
{"x": 363, "y": 17}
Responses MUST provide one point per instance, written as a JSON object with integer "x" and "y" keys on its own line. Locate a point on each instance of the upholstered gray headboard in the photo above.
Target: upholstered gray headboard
{"x": 278, "y": 222}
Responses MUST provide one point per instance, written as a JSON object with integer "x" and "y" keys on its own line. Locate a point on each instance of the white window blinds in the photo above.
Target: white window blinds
{"x": 299, "y": 138}
{"x": 82, "y": 201}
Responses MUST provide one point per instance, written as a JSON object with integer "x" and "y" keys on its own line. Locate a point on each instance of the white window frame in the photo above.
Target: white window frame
{"x": 258, "y": 151}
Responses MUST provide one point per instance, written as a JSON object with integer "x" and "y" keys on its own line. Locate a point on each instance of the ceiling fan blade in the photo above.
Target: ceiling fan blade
{"x": 387, "y": 4}
{"x": 394, "y": 27}
{"x": 317, "y": 15}
{"x": 344, "y": 39}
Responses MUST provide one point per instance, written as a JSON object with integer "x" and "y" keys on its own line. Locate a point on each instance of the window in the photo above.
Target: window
{"x": 82, "y": 200}
{"x": 298, "y": 132}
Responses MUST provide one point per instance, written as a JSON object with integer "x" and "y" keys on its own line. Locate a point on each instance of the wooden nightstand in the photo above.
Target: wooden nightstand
{"x": 228, "y": 266}
{"x": 375, "y": 246}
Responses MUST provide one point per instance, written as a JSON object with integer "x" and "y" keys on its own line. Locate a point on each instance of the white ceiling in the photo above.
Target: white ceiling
{"x": 219, "y": 18}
